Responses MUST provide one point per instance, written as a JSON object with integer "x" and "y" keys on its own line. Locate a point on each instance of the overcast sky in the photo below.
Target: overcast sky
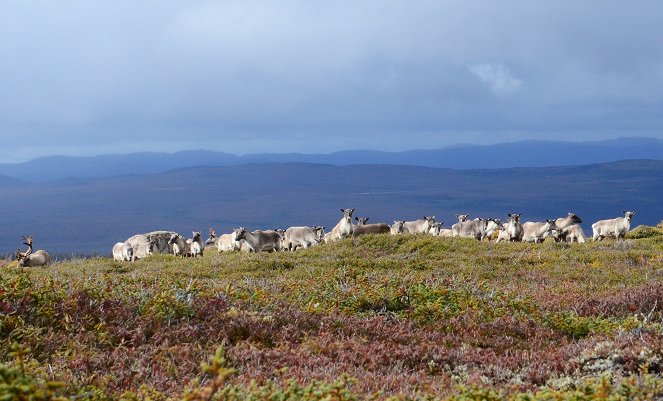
{"x": 90, "y": 77}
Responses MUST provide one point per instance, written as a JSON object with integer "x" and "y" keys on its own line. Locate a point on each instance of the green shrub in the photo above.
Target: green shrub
{"x": 644, "y": 232}
{"x": 15, "y": 384}
{"x": 577, "y": 327}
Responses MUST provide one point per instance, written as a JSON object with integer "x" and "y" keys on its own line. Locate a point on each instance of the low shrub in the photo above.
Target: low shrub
{"x": 407, "y": 316}
{"x": 644, "y": 232}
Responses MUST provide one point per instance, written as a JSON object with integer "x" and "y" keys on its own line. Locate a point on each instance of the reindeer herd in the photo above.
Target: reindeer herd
{"x": 563, "y": 229}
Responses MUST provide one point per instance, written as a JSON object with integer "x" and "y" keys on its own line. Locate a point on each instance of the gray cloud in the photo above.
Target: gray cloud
{"x": 90, "y": 77}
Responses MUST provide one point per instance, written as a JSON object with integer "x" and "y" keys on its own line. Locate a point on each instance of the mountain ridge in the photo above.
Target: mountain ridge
{"x": 531, "y": 153}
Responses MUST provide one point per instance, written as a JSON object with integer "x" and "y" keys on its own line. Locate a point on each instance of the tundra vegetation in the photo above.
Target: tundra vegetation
{"x": 368, "y": 317}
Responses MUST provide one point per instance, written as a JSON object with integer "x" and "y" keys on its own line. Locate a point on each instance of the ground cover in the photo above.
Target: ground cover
{"x": 372, "y": 317}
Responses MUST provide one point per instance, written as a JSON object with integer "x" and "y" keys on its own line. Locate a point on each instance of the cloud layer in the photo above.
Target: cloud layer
{"x": 311, "y": 76}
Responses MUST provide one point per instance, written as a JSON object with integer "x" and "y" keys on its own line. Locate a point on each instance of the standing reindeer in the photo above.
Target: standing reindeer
{"x": 30, "y": 259}
{"x": 196, "y": 247}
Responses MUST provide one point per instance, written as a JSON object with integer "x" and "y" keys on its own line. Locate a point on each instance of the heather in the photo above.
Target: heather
{"x": 374, "y": 317}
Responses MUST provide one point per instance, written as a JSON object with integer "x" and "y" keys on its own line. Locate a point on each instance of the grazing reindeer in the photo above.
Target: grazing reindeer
{"x": 123, "y": 251}
{"x": 30, "y": 259}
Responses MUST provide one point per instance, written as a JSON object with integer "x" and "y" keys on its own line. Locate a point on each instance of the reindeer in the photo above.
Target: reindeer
{"x": 179, "y": 245}
{"x": 30, "y": 259}
{"x": 196, "y": 246}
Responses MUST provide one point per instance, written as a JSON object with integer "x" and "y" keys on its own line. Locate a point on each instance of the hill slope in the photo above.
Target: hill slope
{"x": 87, "y": 215}
{"x": 409, "y": 317}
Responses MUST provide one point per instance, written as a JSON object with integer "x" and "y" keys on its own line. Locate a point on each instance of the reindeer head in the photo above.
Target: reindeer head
{"x": 462, "y": 217}
{"x": 19, "y": 256}
{"x": 240, "y": 233}
{"x": 628, "y": 215}
{"x": 397, "y": 228}
{"x": 281, "y": 233}
{"x": 23, "y": 257}
{"x": 347, "y": 214}
{"x": 212, "y": 237}
{"x": 172, "y": 240}
{"x": 574, "y": 218}
{"x": 319, "y": 232}
{"x": 153, "y": 244}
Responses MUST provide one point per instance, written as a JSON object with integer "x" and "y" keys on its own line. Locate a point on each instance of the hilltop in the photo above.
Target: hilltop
{"x": 401, "y": 316}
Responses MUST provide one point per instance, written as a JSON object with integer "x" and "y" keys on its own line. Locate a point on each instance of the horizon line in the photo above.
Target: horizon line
{"x": 240, "y": 155}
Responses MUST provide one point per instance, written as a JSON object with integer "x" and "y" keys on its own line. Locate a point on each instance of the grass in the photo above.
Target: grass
{"x": 373, "y": 317}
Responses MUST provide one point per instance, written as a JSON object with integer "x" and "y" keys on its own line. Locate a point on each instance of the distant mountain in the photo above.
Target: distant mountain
{"x": 505, "y": 155}
{"x": 10, "y": 182}
{"x": 87, "y": 215}
{"x": 53, "y": 168}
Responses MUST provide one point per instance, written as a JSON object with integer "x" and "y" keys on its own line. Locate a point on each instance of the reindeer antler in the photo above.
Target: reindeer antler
{"x": 27, "y": 240}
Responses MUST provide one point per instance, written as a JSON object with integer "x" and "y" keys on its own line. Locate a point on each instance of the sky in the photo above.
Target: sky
{"x": 93, "y": 77}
